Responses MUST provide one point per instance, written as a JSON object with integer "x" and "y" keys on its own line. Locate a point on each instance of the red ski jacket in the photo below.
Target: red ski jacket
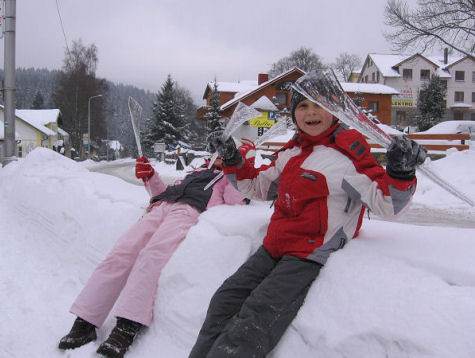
{"x": 321, "y": 186}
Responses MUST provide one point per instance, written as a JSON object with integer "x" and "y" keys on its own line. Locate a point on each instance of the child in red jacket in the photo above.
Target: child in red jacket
{"x": 322, "y": 181}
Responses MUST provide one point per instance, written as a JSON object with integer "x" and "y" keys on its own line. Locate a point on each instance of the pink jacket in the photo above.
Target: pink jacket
{"x": 223, "y": 191}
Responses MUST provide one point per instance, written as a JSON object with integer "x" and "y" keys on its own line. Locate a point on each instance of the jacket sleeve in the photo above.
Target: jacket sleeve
{"x": 255, "y": 183}
{"x": 230, "y": 195}
{"x": 155, "y": 185}
{"x": 367, "y": 182}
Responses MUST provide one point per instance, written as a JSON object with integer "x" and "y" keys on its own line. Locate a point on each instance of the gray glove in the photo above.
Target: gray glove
{"x": 403, "y": 155}
{"x": 226, "y": 149}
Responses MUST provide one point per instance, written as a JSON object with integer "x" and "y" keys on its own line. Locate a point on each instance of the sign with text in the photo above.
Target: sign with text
{"x": 264, "y": 121}
{"x": 404, "y": 99}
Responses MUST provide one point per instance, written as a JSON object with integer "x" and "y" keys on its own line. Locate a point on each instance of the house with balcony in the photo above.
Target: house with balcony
{"x": 271, "y": 97}
{"x": 409, "y": 73}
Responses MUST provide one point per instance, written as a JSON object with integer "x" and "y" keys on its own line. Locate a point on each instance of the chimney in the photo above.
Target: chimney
{"x": 262, "y": 77}
{"x": 446, "y": 55}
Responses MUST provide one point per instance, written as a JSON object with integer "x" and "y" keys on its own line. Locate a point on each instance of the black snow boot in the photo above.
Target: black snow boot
{"x": 81, "y": 333}
{"x": 120, "y": 339}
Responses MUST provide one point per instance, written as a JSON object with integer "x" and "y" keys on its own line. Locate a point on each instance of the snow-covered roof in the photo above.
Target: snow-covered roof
{"x": 37, "y": 120}
{"x": 240, "y": 96}
{"x": 63, "y": 132}
{"x": 38, "y": 116}
{"x": 387, "y": 62}
{"x": 264, "y": 104}
{"x": 374, "y": 88}
{"x": 241, "y": 86}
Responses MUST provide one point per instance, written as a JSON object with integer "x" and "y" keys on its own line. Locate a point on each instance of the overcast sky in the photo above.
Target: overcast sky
{"x": 141, "y": 41}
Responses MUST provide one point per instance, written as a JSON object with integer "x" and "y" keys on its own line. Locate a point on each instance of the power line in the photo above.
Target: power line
{"x": 62, "y": 27}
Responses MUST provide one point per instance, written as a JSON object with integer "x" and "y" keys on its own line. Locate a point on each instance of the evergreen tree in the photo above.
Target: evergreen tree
{"x": 168, "y": 123}
{"x": 430, "y": 104}
{"x": 213, "y": 116}
{"x": 358, "y": 99}
{"x": 38, "y": 101}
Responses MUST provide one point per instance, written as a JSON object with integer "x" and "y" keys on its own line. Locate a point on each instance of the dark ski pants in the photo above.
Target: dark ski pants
{"x": 251, "y": 310}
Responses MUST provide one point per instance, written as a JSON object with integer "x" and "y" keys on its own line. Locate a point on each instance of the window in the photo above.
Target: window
{"x": 458, "y": 97}
{"x": 459, "y": 75}
{"x": 20, "y": 151}
{"x": 366, "y": 79}
{"x": 407, "y": 74}
{"x": 377, "y": 76}
{"x": 473, "y": 97}
{"x": 373, "y": 107}
{"x": 444, "y": 83}
{"x": 281, "y": 99}
{"x": 473, "y": 76}
{"x": 373, "y": 77}
{"x": 425, "y": 75}
{"x": 458, "y": 116}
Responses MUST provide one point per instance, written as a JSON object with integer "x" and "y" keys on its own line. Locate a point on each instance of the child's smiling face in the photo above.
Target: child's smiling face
{"x": 312, "y": 119}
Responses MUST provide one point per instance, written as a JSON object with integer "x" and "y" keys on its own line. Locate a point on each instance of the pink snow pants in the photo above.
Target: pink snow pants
{"x": 134, "y": 265}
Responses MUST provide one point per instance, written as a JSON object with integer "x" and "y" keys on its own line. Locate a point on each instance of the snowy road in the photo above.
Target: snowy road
{"x": 417, "y": 214}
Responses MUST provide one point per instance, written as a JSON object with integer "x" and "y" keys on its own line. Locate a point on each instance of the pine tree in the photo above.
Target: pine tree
{"x": 430, "y": 103}
{"x": 168, "y": 123}
{"x": 213, "y": 116}
{"x": 38, "y": 101}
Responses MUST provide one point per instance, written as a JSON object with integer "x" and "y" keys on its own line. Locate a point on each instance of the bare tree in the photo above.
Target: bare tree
{"x": 303, "y": 58}
{"x": 434, "y": 22}
{"x": 346, "y": 64}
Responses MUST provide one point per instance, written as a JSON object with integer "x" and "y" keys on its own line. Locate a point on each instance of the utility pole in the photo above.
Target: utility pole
{"x": 9, "y": 145}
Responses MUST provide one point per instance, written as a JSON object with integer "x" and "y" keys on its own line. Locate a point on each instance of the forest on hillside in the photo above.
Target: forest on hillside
{"x": 35, "y": 88}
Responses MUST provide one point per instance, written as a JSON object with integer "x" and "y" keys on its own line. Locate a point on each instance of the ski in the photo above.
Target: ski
{"x": 323, "y": 88}
{"x": 135, "y": 110}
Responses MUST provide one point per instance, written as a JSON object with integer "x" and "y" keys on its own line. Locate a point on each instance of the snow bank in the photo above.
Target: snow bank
{"x": 397, "y": 291}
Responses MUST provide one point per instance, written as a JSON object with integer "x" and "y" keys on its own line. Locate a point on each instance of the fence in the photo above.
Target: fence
{"x": 437, "y": 142}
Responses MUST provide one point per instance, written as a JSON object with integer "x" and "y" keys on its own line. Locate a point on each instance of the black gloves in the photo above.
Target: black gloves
{"x": 226, "y": 149}
{"x": 403, "y": 155}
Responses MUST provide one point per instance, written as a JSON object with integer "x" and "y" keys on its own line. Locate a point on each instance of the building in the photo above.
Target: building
{"x": 376, "y": 98}
{"x": 272, "y": 98}
{"x": 37, "y": 128}
{"x": 408, "y": 74}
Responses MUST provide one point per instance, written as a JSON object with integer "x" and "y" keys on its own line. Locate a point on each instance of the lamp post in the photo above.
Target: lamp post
{"x": 89, "y": 124}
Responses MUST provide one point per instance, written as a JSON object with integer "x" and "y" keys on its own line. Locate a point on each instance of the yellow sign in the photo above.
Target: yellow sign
{"x": 403, "y": 102}
{"x": 262, "y": 121}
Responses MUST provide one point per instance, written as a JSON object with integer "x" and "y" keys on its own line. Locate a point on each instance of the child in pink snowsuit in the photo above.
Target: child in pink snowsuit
{"x": 133, "y": 267}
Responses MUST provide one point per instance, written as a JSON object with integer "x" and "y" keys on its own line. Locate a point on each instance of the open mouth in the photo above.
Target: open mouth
{"x": 312, "y": 123}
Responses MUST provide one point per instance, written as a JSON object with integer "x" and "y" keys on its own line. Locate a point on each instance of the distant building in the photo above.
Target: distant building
{"x": 408, "y": 73}
{"x": 376, "y": 98}
{"x": 272, "y": 98}
{"x": 37, "y": 128}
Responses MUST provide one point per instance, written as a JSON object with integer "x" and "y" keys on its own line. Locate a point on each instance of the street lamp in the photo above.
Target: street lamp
{"x": 89, "y": 124}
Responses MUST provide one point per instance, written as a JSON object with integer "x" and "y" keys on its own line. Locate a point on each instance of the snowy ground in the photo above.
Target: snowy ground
{"x": 399, "y": 290}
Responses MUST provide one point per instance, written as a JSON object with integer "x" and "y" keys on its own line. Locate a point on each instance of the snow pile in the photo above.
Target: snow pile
{"x": 398, "y": 291}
